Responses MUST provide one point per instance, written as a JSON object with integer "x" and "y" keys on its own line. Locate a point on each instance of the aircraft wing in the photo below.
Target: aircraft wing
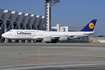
{"x": 77, "y": 36}
{"x": 98, "y": 31}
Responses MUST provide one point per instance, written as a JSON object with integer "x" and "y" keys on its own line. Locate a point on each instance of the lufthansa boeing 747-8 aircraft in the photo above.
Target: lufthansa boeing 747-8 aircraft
{"x": 50, "y": 36}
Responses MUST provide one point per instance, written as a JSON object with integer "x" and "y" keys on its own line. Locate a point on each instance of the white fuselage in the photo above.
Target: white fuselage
{"x": 35, "y": 34}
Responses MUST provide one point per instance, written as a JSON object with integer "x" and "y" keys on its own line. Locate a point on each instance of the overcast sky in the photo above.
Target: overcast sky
{"x": 67, "y": 12}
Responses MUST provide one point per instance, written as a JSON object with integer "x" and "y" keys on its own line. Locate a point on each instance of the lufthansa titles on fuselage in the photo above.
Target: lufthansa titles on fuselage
{"x": 23, "y": 33}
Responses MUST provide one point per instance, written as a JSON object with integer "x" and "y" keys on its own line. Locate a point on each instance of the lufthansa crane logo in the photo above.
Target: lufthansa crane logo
{"x": 91, "y": 25}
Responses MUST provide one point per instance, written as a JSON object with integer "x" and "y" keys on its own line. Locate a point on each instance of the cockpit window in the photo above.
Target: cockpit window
{"x": 9, "y": 31}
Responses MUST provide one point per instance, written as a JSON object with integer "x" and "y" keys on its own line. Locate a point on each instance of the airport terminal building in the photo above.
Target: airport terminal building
{"x": 19, "y": 20}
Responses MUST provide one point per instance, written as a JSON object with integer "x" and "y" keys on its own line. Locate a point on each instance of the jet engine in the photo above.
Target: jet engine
{"x": 46, "y": 39}
{"x": 63, "y": 38}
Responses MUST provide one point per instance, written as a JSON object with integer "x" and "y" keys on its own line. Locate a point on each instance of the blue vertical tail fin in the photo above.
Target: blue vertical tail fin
{"x": 90, "y": 26}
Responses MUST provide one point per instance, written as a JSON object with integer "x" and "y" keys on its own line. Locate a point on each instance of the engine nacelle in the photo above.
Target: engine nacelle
{"x": 46, "y": 39}
{"x": 63, "y": 38}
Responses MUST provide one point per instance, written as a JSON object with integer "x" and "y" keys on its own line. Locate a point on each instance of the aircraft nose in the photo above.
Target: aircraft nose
{"x": 3, "y": 35}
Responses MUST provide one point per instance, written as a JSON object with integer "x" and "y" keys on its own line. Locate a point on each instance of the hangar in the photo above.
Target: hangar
{"x": 19, "y": 20}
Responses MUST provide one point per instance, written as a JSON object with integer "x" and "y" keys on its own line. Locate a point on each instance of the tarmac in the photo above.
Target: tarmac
{"x": 58, "y": 56}
{"x": 53, "y": 44}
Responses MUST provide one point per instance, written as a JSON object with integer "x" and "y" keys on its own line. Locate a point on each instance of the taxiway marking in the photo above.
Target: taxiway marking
{"x": 53, "y": 54}
{"x": 56, "y": 60}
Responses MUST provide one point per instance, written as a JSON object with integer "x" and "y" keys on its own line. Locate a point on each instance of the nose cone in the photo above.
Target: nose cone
{"x": 4, "y": 35}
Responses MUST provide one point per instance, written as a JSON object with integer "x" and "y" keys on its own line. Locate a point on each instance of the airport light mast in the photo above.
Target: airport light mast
{"x": 48, "y": 5}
